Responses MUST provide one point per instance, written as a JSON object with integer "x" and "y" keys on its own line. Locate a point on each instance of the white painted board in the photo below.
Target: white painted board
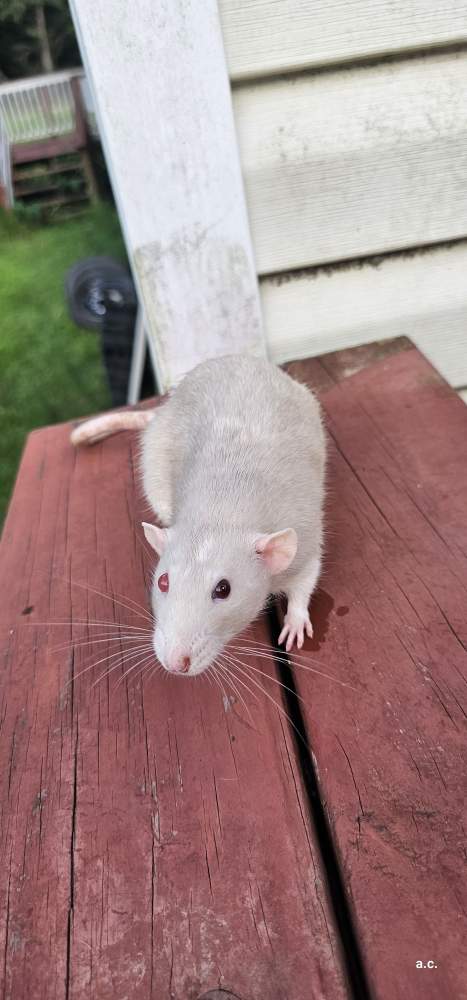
{"x": 159, "y": 82}
{"x": 354, "y": 163}
{"x": 421, "y": 295}
{"x": 263, "y": 37}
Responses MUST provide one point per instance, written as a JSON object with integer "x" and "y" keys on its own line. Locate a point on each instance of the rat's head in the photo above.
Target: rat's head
{"x": 208, "y": 586}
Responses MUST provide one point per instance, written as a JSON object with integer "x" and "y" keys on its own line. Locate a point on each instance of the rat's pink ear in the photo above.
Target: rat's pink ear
{"x": 277, "y": 550}
{"x": 157, "y": 537}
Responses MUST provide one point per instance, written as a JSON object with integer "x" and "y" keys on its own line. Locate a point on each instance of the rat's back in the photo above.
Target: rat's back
{"x": 249, "y": 398}
{"x": 253, "y": 446}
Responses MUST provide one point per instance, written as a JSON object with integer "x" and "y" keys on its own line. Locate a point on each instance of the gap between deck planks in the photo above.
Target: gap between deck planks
{"x": 390, "y": 618}
{"x": 155, "y": 840}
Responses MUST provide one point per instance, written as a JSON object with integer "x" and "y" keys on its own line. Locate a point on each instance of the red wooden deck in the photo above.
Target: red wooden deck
{"x": 391, "y": 614}
{"x": 158, "y": 841}
{"x": 155, "y": 839}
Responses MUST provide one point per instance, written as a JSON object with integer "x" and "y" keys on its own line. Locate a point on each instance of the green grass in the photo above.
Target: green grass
{"x": 49, "y": 369}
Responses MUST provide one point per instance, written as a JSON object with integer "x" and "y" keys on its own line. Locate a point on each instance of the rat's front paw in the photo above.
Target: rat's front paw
{"x": 296, "y": 624}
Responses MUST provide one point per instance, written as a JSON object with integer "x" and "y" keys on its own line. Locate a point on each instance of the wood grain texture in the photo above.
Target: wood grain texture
{"x": 28, "y": 152}
{"x": 422, "y": 296}
{"x": 391, "y": 756}
{"x": 357, "y": 162}
{"x": 263, "y": 37}
{"x": 163, "y": 105}
{"x": 154, "y": 838}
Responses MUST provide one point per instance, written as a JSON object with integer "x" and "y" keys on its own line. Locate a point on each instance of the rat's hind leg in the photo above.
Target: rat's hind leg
{"x": 160, "y": 459}
{"x": 298, "y": 592}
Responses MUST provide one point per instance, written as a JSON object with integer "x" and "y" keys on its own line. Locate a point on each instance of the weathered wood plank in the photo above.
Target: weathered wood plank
{"x": 155, "y": 837}
{"x": 29, "y": 152}
{"x": 263, "y": 37}
{"x": 421, "y": 295}
{"x": 357, "y": 162}
{"x": 391, "y": 757}
{"x": 164, "y": 110}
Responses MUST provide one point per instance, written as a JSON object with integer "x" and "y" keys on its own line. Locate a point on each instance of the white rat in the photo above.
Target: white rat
{"x": 233, "y": 465}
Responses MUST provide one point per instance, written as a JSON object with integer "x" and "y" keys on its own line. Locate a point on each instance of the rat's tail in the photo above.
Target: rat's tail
{"x": 99, "y": 428}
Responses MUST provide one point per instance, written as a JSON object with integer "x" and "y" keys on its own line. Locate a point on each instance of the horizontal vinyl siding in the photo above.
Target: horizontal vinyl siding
{"x": 422, "y": 296}
{"x": 263, "y": 37}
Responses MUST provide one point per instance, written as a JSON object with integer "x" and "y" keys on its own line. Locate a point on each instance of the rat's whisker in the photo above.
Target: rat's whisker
{"x": 96, "y": 640}
{"x": 267, "y": 646}
{"x": 273, "y": 700}
{"x": 207, "y": 674}
{"x": 272, "y": 652}
{"x": 238, "y": 693}
{"x": 217, "y": 680}
{"x": 123, "y": 654}
{"x": 226, "y": 673}
{"x": 89, "y": 667}
{"x": 247, "y": 688}
{"x": 290, "y": 659}
{"x": 270, "y": 677}
{"x": 86, "y": 621}
{"x": 156, "y": 668}
{"x": 119, "y": 663}
{"x": 134, "y": 606}
{"x": 239, "y": 681}
{"x": 145, "y": 660}
{"x": 241, "y": 636}
{"x": 107, "y": 597}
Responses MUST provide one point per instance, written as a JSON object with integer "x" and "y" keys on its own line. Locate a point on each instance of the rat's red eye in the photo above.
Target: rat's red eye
{"x": 163, "y": 583}
{"x": 221, "y": 590}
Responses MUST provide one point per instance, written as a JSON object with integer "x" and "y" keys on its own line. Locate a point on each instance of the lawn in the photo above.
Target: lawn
{"x": 49, "y": 369}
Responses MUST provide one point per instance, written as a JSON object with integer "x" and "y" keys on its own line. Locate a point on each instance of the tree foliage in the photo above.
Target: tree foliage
{"x": 36, "y": 36}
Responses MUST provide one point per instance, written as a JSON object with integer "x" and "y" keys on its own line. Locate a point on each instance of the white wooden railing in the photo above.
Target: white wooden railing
{"x": 41, "y": 107}
{"x": 5, "y": 163}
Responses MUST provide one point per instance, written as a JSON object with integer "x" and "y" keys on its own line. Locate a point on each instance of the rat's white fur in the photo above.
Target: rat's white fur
{"x": 233, "y": 465}
{"x": 235, "y": 454}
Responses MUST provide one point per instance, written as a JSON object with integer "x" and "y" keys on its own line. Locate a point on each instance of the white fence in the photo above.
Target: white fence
{"x": 41, "y": 107}
{"x": 5, "y": 163}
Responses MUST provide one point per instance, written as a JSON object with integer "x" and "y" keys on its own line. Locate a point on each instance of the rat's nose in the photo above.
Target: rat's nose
{"x": 179, "y": 664}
